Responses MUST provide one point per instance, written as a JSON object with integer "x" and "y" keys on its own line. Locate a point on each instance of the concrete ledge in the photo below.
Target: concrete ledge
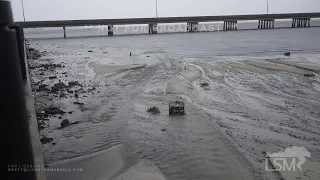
{"x": 33, "y": 125}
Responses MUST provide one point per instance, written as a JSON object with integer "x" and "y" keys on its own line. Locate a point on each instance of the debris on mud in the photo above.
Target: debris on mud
{"x": 92, "y": 89}
{"x": 90, "y": 51}
{"x": 53, "y": 77}
{"x": 45, "y": 140}
{"x": 58, "y": 86}
{"x": 78, "y": 103}
{"x": 50, "y": 66}
{"x": 33, "y": 53}
{"x": 154, "y": 110}
{"x": 287, "y": 53}
{"x": 163, "y": 129}
{"x": 65, "y": 123}
{"x": 73, "y": 83}
{"x": 43, "y": 87}
{"x": 204, "y": 84}
{"x": 309, "y": 75}
{"x": 53, "y": 111}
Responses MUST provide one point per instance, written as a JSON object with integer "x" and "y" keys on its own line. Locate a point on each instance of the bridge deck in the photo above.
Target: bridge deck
{"x": 37, "y": 24}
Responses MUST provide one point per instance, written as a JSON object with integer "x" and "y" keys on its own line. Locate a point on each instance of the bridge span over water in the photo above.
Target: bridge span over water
{"x": 265, "y": 21}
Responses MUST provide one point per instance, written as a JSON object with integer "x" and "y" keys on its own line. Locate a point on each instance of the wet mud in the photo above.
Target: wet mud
{"x": 235, "y": 111}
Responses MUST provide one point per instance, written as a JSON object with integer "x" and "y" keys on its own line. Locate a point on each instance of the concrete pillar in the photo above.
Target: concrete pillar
{"x": 267, "y": 24}
{"x": 273, "y": 23}
{"x": 309, "y": 22}
{"x": 110, "y": 30}
{"x": 305, "y": 23}
{"x": 236, "y": 25}
{"x": 64, "y": 32}
{"x": 195, "y": 26}
{"x": 293, "y": 23}
{"x": 192, "y": 26}
{"x": 270, "y": 24}
{"x": 153, "y": 29}
{"x": 259, "y": 24}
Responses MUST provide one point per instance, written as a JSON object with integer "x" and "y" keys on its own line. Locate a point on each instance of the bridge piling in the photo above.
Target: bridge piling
{"x": 192, "y": 26}
{"x": 266, "y": 24}
{"x": 301, "y": 22}
{"x": 230, "y": 25}
{"x": 110, "y": 30}
{"x": 153, "y": 29}
{"x": 64, "y": 32}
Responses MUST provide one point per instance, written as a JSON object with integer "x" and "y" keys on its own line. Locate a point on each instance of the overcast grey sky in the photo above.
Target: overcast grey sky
{"x": 93, "y": 9}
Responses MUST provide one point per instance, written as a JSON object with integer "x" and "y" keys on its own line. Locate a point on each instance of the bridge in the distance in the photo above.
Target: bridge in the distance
{"x": 265, "y": 21}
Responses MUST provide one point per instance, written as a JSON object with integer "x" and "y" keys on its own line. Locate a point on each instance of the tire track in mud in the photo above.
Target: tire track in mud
{"x": 261, "y": 120}
{"x": 189, "y": 148}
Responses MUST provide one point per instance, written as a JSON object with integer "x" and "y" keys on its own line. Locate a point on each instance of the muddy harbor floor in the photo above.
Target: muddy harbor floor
{"x": 247, "y": 109}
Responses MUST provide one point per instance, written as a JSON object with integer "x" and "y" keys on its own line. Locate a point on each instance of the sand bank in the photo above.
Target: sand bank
{"x": 109, "y": 68}
{"x": 303, "y": 65}
{"x": 277, "y": 67}
{"x": 114, "y": 163}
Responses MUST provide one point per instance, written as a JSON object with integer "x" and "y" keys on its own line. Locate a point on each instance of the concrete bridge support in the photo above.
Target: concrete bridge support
{"x": 64, "y": 32}
{"x": 110, "y": 30}
{"x": 266, "y": 24}
{"x": 192, "y": 26}
{"x": 230, "y": 25}
{"x": 301, "y": 22}
{"x": 153, "y": 29}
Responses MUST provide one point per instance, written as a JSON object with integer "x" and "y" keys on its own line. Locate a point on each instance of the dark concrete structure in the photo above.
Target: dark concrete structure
{"x": 266, "y": 21}
{"x": 230, "y": 25}
{"x": 301, "y": 22}
{"x": 64, "y": 32}
{"x": 110, "y": 30}
{"x": 153, "y": 28}
{"x": 266, "y": 24}
{"x": 192, "y": 26}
